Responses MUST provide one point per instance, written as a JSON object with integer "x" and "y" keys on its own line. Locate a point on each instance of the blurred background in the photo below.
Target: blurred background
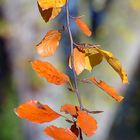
{"x": 116, "y": 27}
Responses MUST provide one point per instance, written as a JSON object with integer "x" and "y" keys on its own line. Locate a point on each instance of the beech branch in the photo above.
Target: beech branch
{"x": 72, "y": 55}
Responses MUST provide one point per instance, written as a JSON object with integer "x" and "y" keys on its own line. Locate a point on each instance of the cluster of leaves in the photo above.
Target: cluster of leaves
{"x": 86, "y": 56}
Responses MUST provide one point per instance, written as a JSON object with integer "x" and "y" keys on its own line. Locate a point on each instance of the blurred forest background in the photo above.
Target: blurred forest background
{"x": 116, "y": 27}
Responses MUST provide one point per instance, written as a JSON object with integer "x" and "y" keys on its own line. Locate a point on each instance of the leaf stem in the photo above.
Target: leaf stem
{"x": 72, "y": 55}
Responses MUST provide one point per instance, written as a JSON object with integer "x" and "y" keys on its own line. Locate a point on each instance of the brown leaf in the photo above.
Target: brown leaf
{"x": 49, "y": 44}
{"x": 60, "y": 133}
{"x": 108, "y": 89}
{"x": 87, "y": 123}
{"x": 50, "y": 13}
{"x": 75, "y": 130}
{"x": 70, "y": 109}
{"x": 83, "y": 26}
{"x": 36, "y": 112}
{"x": 50, "y": 73}
{"x": 79, "y": 61}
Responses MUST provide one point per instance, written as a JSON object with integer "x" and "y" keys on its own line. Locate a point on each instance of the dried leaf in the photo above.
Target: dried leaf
{"x": 70, "y": 109}
{"x": 49, "y": 44}
{"x": 50, "y": 13}
{"x": 50, "y": 73}
{"x": 46, "y": 4}
{"x": 79, "y": 61}
{"x": 83, "y": 26}
{"x": 36, "y": 112}
{"x": 108, "y": 89}
{"x": 87, "y": 123}
{"x": 60, "y": 133}
{"x": 75, "y": 130}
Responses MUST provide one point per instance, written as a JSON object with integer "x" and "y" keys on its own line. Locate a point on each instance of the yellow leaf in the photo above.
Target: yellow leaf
{"x": 93, "y": 60}
{"x": 46, "y": 4}
{"x": 115, "y": 64}
{"x": 50, "y": 13}
{"x": 49, "y": 44}
{"x": 94, "y": 56}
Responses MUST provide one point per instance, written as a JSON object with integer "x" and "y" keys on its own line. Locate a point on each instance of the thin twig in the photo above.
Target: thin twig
{"x": 72, "y": 56}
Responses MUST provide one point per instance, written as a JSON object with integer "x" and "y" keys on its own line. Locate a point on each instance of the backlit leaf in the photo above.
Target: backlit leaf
{"x": 36, "y": 112}
{"x": 115, "y": 63}
{"x": 60, "y": 133}
{"x": 83, "y": 26}
{"x": 79, "y": 61}
{"x": 50, "y": 13}
{"x": 46, "y": 4}
{"x": 108, "y": 89}
{"x": 95, "y": 55}
{"x": 49, "y": 44}
{"x": 87, "y": 123}
{"x": 50, "y": 73}
{"x": 70, "y": 109}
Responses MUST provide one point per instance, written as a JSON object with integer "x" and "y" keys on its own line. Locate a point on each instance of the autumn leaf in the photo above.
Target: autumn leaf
{"x": 70, "y": 109}
{"x": 95, "y": 55}
{"x": 36, "y": 112}
{"x": 74, "y": 129}
{"x": 115, "y": 64}
{"x": 79, "y": 61}
{"x": 108, "y": 89}
{"x": 83, "y": 26}
{"x": 60, "y": 133}
{"x": 87, "y": 123}
{"x": 84, "y": 60}
{"x": 50, "y": 13}
{"x": 46, "y": 4}
{"x": 50, "y": 73}
{"x": 49, "y": 44}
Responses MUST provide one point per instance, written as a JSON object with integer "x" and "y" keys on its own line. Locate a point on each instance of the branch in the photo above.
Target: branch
{"x": 72, "y": 55}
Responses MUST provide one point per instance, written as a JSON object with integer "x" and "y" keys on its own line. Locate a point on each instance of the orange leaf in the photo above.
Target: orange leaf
{"x": 87, "y": 123}
{"x": 36, "y": 112}
{"x": 49, "y": 44}
{"x": 79, "y": 61}
{"x": 52, "y": 75}
{"x": 50, "y": 13}
{"x": 70, "y": 109}
{"x": 83, "y": 26}
{"x": 60, "y": 133}
{"x": 108, "y": 89}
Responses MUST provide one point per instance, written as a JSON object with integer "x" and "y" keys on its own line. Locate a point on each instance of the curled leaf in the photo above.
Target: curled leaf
{"x": 36, "y": 112}
{"x": 83, "y": 26}
{"x": 70, "y": 109}
{"x": 46, "y": 4}
{"x": 108, "y": 89}
{"x": 60, "y": 133}
{"x": 49, "y": 44}
{"x": 50, "y": 13}
{"x": 95, "y": 55}
{"x": 115, "y": 64}
{"x": 50, "y": 73}
{"x": 79, "y": 61}
{"x": 87, "y": 123}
